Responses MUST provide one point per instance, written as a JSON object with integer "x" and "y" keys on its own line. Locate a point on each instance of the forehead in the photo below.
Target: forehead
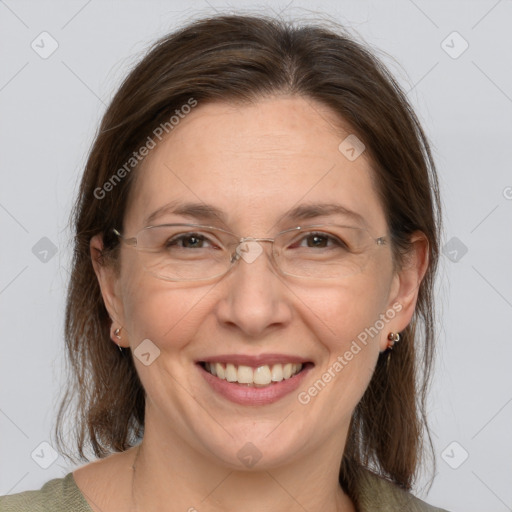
{"x": 254, "y": 163}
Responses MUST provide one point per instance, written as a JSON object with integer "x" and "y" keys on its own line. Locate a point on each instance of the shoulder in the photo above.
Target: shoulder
{"x": 57, "y": 495}
{"x": 375, "y": 493}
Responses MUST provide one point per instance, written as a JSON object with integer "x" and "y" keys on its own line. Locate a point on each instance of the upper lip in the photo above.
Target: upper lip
{"x": 254, "y": 361}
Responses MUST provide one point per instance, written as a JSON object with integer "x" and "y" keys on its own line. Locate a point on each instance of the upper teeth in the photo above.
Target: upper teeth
{"x": 263, "y": 375}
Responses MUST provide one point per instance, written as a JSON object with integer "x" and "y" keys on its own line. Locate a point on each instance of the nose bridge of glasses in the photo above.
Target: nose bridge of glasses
{"x": 252, "y": 239}
{"x": 248, "y": 248}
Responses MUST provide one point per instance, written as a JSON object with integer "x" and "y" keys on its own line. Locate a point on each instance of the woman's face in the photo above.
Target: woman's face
{"x": 255, "y": 163}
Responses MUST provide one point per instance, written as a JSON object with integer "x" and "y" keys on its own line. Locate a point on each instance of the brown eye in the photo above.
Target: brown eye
{"x": 317, "y": 240}
{"x": 188, "y": 240}
{"x": 320, "y": 240}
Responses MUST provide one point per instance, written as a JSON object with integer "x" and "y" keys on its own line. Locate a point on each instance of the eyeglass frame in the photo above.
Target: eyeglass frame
{"x": 235, "y": 256}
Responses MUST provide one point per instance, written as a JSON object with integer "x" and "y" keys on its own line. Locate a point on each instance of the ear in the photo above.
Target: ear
{"x": 406, "y": 284}
{"x": 109, "y": 285}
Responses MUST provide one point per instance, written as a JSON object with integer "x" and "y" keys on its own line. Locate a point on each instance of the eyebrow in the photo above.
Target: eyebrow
{"x": 208, "y": 212}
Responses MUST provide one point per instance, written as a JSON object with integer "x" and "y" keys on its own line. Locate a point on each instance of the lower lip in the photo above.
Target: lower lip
{"x": 248, "y": 395}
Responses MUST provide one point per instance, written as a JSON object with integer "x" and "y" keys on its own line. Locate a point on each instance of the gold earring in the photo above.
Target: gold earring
{"x": 392, "y": 339}
{"x": 117, "y": 334}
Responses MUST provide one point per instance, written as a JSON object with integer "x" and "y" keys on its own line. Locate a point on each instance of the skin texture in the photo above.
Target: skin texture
{"x": 254, "y": 162}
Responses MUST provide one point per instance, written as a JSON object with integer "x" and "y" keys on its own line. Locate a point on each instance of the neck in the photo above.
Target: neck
{"x": 175, "y": 479}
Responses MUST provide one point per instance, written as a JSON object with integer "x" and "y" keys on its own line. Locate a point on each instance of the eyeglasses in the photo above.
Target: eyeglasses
{"x": 193, "y": 252}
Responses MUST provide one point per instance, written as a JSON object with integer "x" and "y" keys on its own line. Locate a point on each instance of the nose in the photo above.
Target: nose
{"x": 255, "y": 298}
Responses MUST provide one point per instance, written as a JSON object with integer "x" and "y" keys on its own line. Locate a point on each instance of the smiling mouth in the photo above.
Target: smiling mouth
{"x": 262, "y": 376}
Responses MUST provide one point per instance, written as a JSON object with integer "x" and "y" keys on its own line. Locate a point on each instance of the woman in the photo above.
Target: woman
{"x": 257, "y": 234}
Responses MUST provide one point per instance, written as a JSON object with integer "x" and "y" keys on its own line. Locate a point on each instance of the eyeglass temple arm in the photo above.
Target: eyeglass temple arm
{"x": 128, "y": 241}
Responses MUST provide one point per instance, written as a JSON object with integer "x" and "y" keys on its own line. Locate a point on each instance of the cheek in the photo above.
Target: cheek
{"x": 348, "y": 323}
{"x": 158, "y": 310}
{"x": 348, "y": 311}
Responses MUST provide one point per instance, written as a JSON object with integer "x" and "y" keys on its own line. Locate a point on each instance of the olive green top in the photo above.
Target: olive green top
{"x": 373, "y": 494}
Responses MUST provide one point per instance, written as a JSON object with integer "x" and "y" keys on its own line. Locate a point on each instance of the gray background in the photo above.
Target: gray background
{"x": 50, "y": 109}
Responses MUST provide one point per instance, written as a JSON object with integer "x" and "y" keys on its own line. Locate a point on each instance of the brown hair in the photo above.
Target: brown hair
{"x": 240, "y": 59}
